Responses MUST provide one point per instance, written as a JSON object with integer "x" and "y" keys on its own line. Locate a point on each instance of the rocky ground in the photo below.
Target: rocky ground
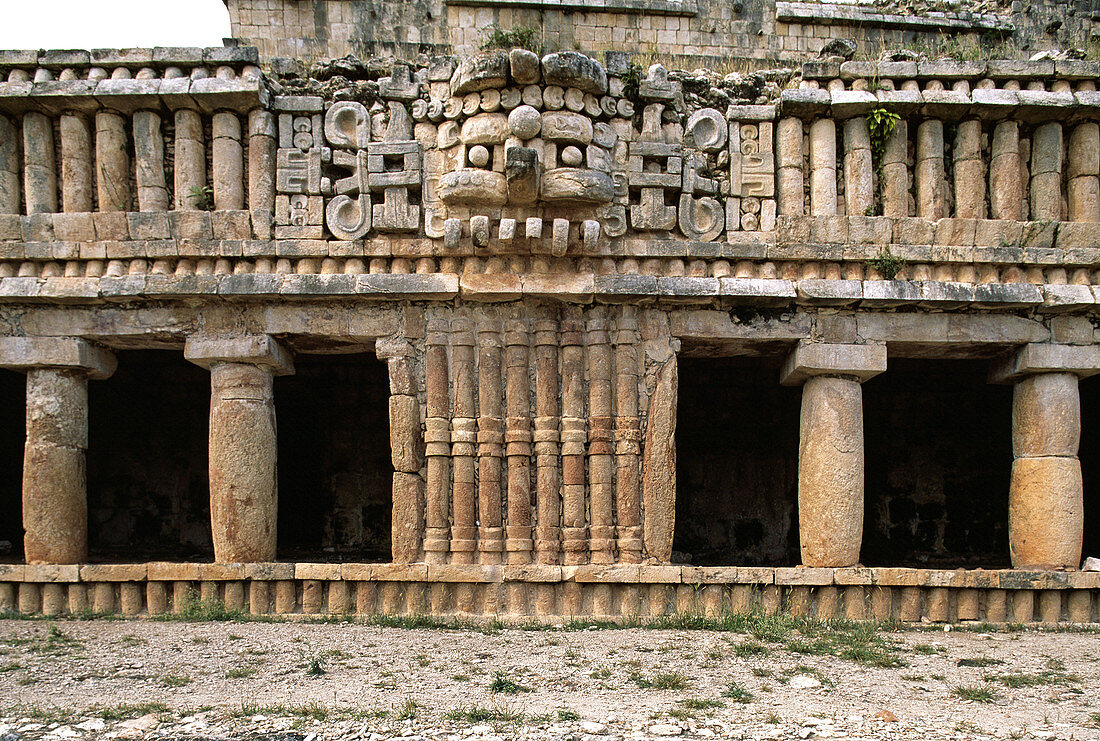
{"x": 768, "y": 678}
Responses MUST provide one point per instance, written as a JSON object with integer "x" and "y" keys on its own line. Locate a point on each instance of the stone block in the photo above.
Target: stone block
{"x": 600, "y": 574}
{"x": 480, "y": 72}
{"x": 464, "y": 573}
{"x": 819, "y": 358}
{"x": 114, "y": 572}
{"x": 1066, "y": 298}
{"x": 51, "y": 573}
{"x": 76, "y": 227}
{"x": 533, "y": 573}
{"x": 56, "y": 352}
{"x": 409, "y": 286}
{"x": 169, "y": 571}
{"x": 1083, "y": 360}
{"x": 1004, "y": 295}
{"x": 254, "y": 349}
{"x": 803, "y": 576}
{"x": 148, "y": 225}
{"x": 317, "y": 571}
{"x": 828, "y": 292}
{"x": 231, "y": 224}
{"x": 572, "y": 69}
{"x": 399, "y": 572}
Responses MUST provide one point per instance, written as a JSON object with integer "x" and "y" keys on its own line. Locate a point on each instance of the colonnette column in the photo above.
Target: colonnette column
{"x": 1046, "y": 496}
{"x": 830, "y": 451}
{"x": 55, "y": 502}
{"x": 406, "y": 446}
{"x": 243, "y": 442}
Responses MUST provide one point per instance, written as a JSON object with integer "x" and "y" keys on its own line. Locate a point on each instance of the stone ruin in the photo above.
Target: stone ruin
{"x": 499, "y": 277}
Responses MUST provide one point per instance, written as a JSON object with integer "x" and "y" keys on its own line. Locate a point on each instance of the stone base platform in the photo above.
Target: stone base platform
{"x": 544, "y": 592}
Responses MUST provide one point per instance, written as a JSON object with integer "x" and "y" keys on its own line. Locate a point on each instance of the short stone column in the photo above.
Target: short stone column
{"x": 55, "y": 503}
{"x": 243, "y": 442}
{"x": 830, "y": 451}
{"x": 1046, "y": 495}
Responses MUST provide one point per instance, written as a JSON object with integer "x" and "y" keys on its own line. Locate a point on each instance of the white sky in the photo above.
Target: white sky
{"x": 102, "y": 24}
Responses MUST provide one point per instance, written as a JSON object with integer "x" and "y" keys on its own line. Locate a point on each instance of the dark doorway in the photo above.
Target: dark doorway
{"x": 1090, "y": 463}
{"x": 335, "y": 474}
{"x": 939, "y": 459}
{"x": 148, "y": 496}
{"x": 737, "y": 464}
{"x": 13, "y": 433}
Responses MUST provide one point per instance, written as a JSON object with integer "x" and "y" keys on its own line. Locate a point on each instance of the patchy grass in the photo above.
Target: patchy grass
{"x": 474, "y": 713}
{"x": 502, "y": 685}
{"x": 980, "y": 661}
{"x": 241, "y": 672}
{"x": 1040, "y": 679}
{"x": 127, "y": 711}
{"x": 750, "y": 650}
{"x": 695, "y": 703}
{"x": 661, "y": 681}
{"x": 175, "y": 680}
{"x": 738, "y": 693}
{"x": 975, "y": 694}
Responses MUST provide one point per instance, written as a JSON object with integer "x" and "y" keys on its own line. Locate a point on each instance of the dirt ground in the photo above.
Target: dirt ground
{"x": 777, "y": 679}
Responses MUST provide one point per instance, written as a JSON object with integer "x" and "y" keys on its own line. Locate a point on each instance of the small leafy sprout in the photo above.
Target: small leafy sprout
{"x": 738, "y": 693}
{"x": 887, "y": 264}
{"x": 520, "y": 37}
{"x": 202, "y": 197}
{"x": 316, "y": 666}
{"x": 502, "y": 685}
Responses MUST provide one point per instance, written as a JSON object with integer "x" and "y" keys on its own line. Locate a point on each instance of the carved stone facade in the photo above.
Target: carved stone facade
{"x": 531, "y": 245}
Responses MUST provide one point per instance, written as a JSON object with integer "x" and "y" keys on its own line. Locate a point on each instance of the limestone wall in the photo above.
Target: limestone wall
{"x": 685, "y": 33}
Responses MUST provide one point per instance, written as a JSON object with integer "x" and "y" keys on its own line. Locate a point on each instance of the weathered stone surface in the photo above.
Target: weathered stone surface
{"x": 22, "y": 353}
{"x": 572, "y": 69}
{"x": 475, "y": 187}
{"x": 830, "y": 472}
{"x": 408, "y": 518}
{"x": 1046, "y": 416}
{"x": 484, "y": 128}
{"x": 659, "y": 466}
{"x": 576, "y": 184}
{"x": 821, "y": 358}
{"x": 254, "y": 349}
{"x": 479, "y": 72}
{"x": 521, "y": 168}
{"x": 525, "y": 122}
{"x": 1046, "y": 512}
{"x": 566, "y": 127}
{"x": 524, "y": 66}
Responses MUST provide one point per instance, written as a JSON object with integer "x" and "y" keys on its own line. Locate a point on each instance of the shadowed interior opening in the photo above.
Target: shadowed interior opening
{"x": 148, "y": 497}
{"x": 737, "y": 464}
{"x": 335, "y": 474}
{"x": 13, "y": 433}
{"x": 1090, "y": 463}
{"x": 938, "y": 443}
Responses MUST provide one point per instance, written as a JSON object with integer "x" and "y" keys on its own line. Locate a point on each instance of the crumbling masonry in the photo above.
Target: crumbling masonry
{"x": 540, "y": 249}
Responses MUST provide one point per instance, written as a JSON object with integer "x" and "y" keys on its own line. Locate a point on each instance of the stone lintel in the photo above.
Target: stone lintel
{"x": 253, "y": 349}
{"x": 828, "y": 359}
{"x": 25, "y": 353}
{"x": 1081, "y": 360}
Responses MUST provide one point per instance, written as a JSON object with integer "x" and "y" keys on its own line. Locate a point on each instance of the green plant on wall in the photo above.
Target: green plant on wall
{"x": 880, "y": 125}
{"x": 520, "y": 37}
{"x": 202, "y": 197}
{"x": 887, "y": 264}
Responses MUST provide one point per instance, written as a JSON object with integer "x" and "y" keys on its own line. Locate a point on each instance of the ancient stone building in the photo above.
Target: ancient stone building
{"x": 509, "y": 334}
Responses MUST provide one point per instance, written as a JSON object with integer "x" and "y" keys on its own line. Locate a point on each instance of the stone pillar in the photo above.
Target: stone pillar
{"x": 823, "y": 167}
{"x": 627, "y": 438}
{"x": 152, "y": 189}
{"x": 931, "y": 195}
{"x": 895, "y": 173}
{"x": 490, "y": 438}
{"x": 601, "y": 472}
{"x": 1046, "y": 172}
{"x": 112, "y": 162}
{"x": 969, "y": 171}
{"x": 39, "y": 164}
{"x": 243, "y": 443}
{"x": 788, "y": 154}
{"x": 1006, "y": 190}
{"x": 574, "y": 520}
{"x": 437, "y": 444}
{"x": 518, "y": 441}
{"x": 76, "y": 164}
{"x": 830, "y": 453}
{"x": 261, "y": 160}
{"x": 547, "y": 436}
{"x": 859, "y": 193}
{"x": 463, "y": 443}
{"x": 1046, "y": 497}
{"x": 55, "y": 508}
{"x": 406, "y": 451}
{"x": 1083, "y": 163}
{"x": 228, "y": 162}
{"x": 189, "y": 160}
{"x": 9, "y": 167}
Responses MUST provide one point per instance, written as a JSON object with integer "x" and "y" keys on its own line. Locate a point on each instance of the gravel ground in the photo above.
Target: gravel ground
{"x": 137, "y": 679}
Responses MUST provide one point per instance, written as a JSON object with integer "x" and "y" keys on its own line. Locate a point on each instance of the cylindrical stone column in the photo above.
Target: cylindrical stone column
{"x": 55, "y": 506}
{"x": 490, "y": 440}
{"x": 859, "y": 193}
{"x": 189, "y": 159}
{"x": 112, "y": 162}
{"x": 969, "y": 170}
{"x": 1046, "y": 500}
{"x": 518, "y": 441}
{"x": 228, "y": 162}
{"x": 823, "y": 197}
{"x": 1046, "y": 172}
{"x": 931, "y": 195}
{"x": 574, "y": 521}
{"x": 437, "y": 444}
{"x": 152, "y": 188}
{"x": 547, "y": 437}
{"x": 9, "y": 167}
{"x": 76, "y": 164}
{"x": 39, "y": 164}
{"x": 1083, "y": 164}
{"x": 830, "y": 471}
{"x": 261, "y": 160}
{"x": 463, "y": 443}
{"x": 895, "y": 173}
{"x": 627, "y": 438}
{"x": 243, "y": 487}
{"x": 1005, "y": 182}
{"x": 406, "y": 455}
{"x": 789, "y": 175}
{"x": 601, "y": 464}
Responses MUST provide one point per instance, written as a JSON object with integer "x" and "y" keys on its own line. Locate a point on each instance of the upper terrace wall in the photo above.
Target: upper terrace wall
{"x": 685, "y": 33}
